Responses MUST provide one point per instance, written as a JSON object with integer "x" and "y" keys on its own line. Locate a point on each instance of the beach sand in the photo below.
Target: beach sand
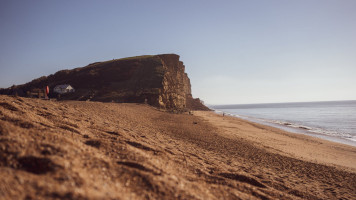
{"x": 93, "y": 150}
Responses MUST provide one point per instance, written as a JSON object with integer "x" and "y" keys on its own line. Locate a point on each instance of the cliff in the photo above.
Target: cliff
{"x": 158, "y": 80}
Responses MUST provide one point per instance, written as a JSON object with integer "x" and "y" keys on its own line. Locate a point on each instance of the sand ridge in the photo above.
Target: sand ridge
{"x": 92, "y": 150}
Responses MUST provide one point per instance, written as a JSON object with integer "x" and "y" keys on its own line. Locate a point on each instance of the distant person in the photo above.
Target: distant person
{"x": 47, "y": 92}
{"x": 223, "y": 114}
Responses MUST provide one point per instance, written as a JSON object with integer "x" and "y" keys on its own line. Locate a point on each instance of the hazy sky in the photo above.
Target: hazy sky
{"x": 234, "y": 51}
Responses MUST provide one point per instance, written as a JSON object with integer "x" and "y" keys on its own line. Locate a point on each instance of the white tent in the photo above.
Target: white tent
{"x": 62, "y": 89}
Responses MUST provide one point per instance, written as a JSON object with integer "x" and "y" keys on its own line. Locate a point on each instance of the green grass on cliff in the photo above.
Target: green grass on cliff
{"x": 135, "y": 57}
{"x": 122, "y": 59}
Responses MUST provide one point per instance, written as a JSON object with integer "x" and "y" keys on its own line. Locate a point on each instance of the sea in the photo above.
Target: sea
{"x": 330, "y": 120}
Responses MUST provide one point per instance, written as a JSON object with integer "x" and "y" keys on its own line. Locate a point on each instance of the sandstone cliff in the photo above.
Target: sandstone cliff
{"x": 158, "y": 80}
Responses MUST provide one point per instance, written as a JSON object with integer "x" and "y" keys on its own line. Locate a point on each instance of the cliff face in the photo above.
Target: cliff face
{"x": 175, "y": 84}
{"x": 158, "y": 80}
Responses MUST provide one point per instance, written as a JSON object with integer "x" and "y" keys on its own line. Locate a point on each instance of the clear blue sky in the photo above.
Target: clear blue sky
{"x": 234, "y": 51}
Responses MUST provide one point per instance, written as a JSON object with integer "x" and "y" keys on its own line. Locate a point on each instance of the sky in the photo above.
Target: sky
{"x": 235, "y": 52}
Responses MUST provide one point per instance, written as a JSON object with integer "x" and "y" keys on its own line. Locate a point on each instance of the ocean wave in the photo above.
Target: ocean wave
{"x": 313, "y": 130}
{"x": 293, "y": 126}
{"x": 353, "y": 138}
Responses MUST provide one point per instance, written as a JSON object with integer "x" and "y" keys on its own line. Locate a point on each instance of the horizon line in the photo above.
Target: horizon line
{"x": 280, "y": 102}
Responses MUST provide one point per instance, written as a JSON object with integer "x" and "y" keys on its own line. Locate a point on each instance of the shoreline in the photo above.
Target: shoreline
{"x": 293, "y": 129}
{"x": 276, "y": 140}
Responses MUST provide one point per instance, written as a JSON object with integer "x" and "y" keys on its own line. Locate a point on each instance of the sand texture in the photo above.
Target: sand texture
{"x": 92, "y": 150}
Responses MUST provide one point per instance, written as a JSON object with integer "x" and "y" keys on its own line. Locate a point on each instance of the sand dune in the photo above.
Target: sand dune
{"x": 92, "y": 150}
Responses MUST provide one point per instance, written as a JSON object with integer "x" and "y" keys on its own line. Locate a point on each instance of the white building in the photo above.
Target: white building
{"x": 62, "y": 89}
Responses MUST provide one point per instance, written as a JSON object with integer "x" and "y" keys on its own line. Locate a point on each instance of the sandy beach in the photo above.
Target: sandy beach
{"x": 275, "y": 140}
{"x": 92, "y": 150}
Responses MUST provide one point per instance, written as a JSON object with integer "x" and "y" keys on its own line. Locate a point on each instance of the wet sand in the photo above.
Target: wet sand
{"x": 92, "y": 150}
